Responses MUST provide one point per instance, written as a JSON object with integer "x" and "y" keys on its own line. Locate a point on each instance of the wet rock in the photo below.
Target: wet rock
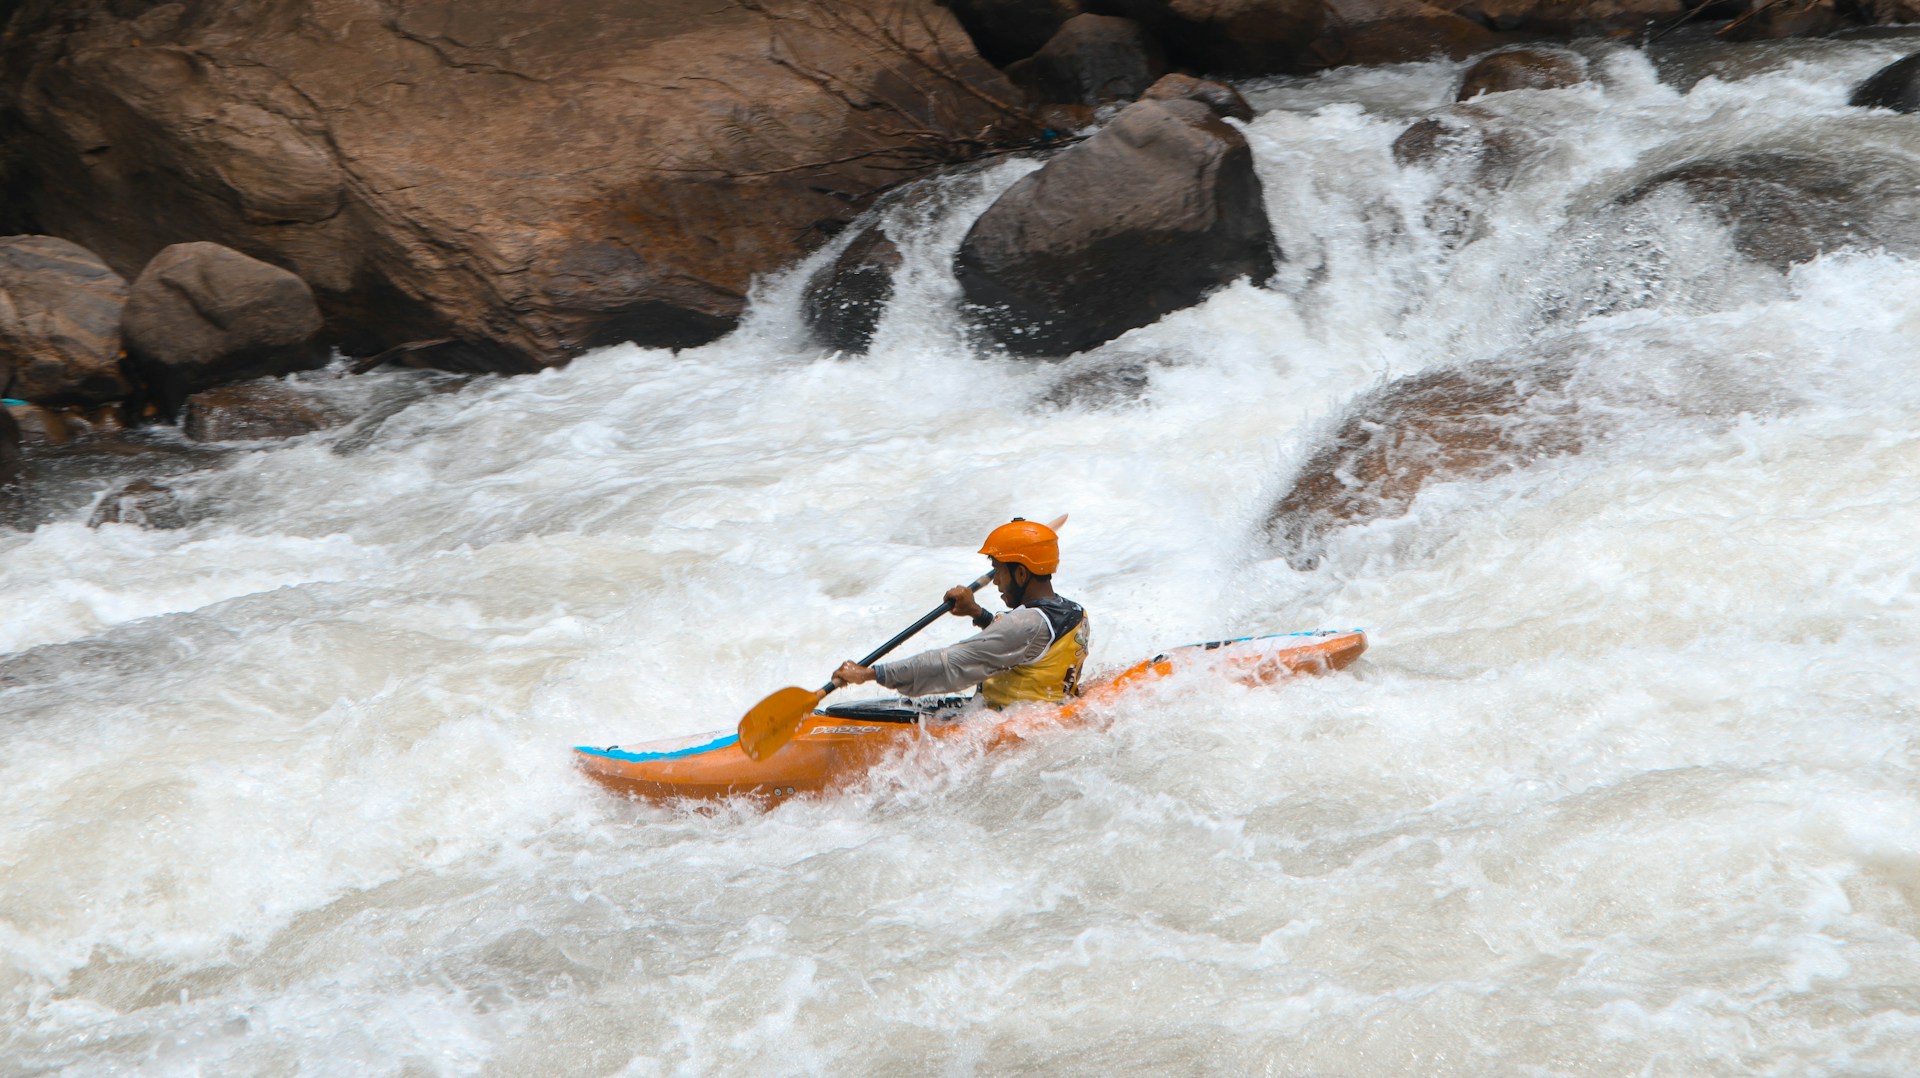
{"x": 1895, "y": 86}
{"x": 1092, "y": 60}
{"x": 12, "y": 463}
{"x": 143, "y": 503}
{"x": 41, "y": 427}
{"x": 1790, "y": 18}
{"x": 251, "y": 412}
{"x": 201, "y": 315}
{"x": 1784, "y": 208}
{"x": 1009, "y": 30}
{"x": 1107, "y": 385}
{"x": 545, "y": 175}
{"x": 1521, "y": 69}
{"x": 846, "y": 297}
{"x": 1483, "y": 143}
{"x": 1472, "y": 422}
{"x": 59, "y": 323}
{"x": 1147, "y": 216}
{"x": 1224, "y": 100}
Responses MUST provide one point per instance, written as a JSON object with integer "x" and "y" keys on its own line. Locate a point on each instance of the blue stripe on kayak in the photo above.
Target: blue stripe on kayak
{"x": 613, "y": 752}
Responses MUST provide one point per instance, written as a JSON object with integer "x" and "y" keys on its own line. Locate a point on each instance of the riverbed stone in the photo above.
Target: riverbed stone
{"x": 1521, "y": 69}
{"x": 845, "y": 298}
{"x": 1895, "y": 86}
{"x": 59, "y": 323}
{"x": 253, "y": 411}
{"x": 144, "y": 503}
{"x": 1091, "y": 60}
{"x": 201, "y": 315}
{"x": 1470, "y": 422}
{"x": 1148, "y": 216}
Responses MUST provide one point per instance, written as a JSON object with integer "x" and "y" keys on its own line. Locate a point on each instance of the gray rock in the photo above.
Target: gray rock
{"x": 59, "y": 323}
{"x": 201, "y": 315}
{"x": 1146, "y": 217}
{"x": 845, "y": 298}
{"x": 1224, "y": 100}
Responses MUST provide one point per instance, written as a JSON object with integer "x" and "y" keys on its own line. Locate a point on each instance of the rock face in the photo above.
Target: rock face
{"x": 1224, "y": 100}
{"x": 1785, "y": 208}
{"x": 1895, "y": 86}
{"x": 1472, "y": 422}
{"x": 540, "y": 175}
{"x": 1521, "y": 69}
{"x": 250, "y": 412}
{"x": 1092, "y": 60}
{"x": 846, "y": 298}
{"x": 1146, "y": 217}
{"x": 59, "y": 323}
{"x": 200, "y": 315}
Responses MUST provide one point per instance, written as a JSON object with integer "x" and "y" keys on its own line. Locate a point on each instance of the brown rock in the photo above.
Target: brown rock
{"x": 1487, "y": 145}
{"x": 143, "y": 503}
{"x": 1471, "y": 422}
{"x": 59, "y": 323}
{"x": 543, "y": 175}
{"x": 252, "y": 411}
{"x": 1092, "y": 60}
{"x": 1146, "y": 217}
{"x": 40, "y": 426}
{"x": 1790, "y": 18}
{"x": 201, "y": 315}
{"x": 1224, "y": 100}
{"x": 845, "y": 299}
{"x": 1522, "y": 69}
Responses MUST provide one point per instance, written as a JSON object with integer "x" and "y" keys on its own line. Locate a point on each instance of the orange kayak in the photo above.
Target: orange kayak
{"x": 836, "y": 746}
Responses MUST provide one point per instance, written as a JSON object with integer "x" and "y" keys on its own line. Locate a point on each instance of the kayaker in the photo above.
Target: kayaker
{"x": 1034, "y": 651}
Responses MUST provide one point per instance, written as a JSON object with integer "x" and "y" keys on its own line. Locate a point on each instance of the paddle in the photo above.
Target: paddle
{"x": 773, "y": 721}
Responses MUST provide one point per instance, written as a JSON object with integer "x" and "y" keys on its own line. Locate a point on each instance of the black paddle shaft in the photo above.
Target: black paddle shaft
{"x": 907, "y": 633}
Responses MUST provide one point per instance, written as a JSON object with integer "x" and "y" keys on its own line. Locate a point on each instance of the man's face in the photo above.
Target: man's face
{"x": 1003, "y": 580}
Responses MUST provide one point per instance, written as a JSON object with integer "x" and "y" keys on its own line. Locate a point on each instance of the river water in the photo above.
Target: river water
{"x": 1626, "y": 785}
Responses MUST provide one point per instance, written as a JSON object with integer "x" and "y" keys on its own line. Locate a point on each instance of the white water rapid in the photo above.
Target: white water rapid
{"x": 1626, "y": 785}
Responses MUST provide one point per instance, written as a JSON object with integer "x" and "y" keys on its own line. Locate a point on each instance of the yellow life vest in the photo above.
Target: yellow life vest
{"x": 1053, "y": 677}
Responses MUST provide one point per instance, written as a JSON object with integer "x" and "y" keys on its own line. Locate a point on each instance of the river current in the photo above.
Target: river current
{"x": 1625, "y": 786}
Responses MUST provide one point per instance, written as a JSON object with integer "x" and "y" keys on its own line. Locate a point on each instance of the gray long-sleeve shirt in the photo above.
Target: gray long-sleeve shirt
{"x": 1015, "y": 638}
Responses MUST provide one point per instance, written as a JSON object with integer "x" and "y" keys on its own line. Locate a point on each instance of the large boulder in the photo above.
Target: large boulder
{"x": 846, "y": 297}
{"x": 1471, "y": 422}
{"x": 59, "y": 323}
{"x": 1092, "y": 60}
{"x": 201, "y": 315}
{"x": 1895, "y": 86}
{"x": 1146, "y": 217}
{"x": 544, "y": 176}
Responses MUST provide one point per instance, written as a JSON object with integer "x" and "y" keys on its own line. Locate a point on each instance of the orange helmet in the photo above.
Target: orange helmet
{"x": 1025, "y": 543}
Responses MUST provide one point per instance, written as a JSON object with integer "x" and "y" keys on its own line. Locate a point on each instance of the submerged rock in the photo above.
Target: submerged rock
{"x": 201, "y": 315}
{"x": 1784, "y": 208}
{"x": 251, "y": 412}
{"x": 1144, "y": 218}
{"x": 1092, "y": 60}
{"x": 59, "y": 323}
{"x": 846, "y": 297}
{"x": 1471, "y": 422}
{"x": 1895, "y": 86}
{"x": 545, "y": 175}
{"x": 1521, "y": 69}
{"x": 143, "y": 503}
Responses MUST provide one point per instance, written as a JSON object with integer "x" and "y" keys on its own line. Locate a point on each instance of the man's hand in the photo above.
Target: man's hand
{"x": 964, "y": 605}
{"x": 852, "y": 673}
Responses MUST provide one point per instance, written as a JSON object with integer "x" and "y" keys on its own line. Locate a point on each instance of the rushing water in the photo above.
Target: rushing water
{"x": 1626, "y": 786}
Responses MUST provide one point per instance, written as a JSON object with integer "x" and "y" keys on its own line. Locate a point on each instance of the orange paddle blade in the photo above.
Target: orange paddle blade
{"x": 773, "y": 721}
